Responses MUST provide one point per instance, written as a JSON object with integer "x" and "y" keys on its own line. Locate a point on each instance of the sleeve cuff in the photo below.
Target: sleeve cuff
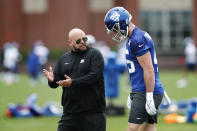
{"x": 142, "y": 53}
{"x": 53, "y": 84}
{"x": 74, "y": 82}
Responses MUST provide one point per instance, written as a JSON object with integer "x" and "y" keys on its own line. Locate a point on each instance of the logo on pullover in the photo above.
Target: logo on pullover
{"x": 82, "y": 61}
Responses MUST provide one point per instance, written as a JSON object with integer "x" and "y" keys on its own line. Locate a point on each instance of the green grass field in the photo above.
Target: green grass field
{"x": 19, "y": 91}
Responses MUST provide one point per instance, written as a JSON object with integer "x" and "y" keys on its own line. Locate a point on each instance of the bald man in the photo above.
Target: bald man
{"x": 80, "y": 73}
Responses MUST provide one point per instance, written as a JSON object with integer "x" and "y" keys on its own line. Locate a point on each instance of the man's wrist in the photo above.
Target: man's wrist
{"x": 149, "y": 95}
{"x": 50, "y": 81}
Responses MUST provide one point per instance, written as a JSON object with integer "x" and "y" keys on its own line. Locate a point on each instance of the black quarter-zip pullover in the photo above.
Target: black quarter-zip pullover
{"x": 87, "y": 92}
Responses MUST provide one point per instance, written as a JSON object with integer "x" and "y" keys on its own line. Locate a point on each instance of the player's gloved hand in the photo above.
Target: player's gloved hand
{"x": 150, "y": 105}
{"x": 129, "y": 101}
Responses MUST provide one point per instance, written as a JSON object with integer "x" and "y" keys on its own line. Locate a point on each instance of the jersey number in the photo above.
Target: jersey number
{"x": 131, "y": 66}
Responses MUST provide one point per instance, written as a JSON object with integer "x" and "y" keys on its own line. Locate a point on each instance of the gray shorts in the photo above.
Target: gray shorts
{"x": 138, "y": 114}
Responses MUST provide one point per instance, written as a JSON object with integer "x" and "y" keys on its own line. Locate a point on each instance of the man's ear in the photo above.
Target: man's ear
{"x": 69, "y": 42}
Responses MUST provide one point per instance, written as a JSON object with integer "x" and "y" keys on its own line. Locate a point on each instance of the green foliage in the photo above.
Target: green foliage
{"x": 24, "y": 54}
{"x": 19, "y": 91}
{"x": 55, "y": 53}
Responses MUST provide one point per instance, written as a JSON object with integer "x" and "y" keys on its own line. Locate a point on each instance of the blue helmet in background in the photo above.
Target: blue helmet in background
{"x": 117, "y": 21}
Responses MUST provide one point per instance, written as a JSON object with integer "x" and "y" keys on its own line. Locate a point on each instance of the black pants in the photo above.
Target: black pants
{"x": 82, "y": 122}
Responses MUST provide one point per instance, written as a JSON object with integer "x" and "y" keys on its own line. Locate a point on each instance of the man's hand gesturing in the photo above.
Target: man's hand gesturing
{"x": 65, "y": 83}
{"x": 49, "y": 74}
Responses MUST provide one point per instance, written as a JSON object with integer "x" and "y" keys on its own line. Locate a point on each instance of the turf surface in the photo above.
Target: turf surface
{"x": 18, "y": 92}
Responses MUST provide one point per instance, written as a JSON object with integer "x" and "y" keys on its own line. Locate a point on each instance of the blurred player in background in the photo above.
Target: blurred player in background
{"x": 91, "y": 40}
{"x": 190, "y": 53}
{"x": 147, "y": 90}
{"x": 100, "y": 45}
{"x": 33, "y": 66}
{"x": 42, "y": 52}
{"x": 10, "y": 62}
{"x": 36, "y": 61}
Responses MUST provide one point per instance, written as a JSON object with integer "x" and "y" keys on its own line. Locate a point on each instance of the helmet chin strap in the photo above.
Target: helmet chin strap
{"x": 125, "y": 36}
{"x": 127, "y": 31}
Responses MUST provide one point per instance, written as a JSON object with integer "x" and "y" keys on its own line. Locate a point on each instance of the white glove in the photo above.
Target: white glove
{"x": 150, "y": 105}
{"x": 129, "y": 102}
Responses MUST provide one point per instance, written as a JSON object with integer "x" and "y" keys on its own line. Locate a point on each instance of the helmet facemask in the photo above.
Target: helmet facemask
{"x": 117, "y": 34}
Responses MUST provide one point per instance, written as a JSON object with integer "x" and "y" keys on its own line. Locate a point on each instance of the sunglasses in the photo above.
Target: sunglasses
{"x": 79, "y": 40}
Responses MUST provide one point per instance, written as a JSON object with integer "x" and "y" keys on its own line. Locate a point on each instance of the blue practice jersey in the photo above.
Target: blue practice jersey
{"x": 138, "y": 44}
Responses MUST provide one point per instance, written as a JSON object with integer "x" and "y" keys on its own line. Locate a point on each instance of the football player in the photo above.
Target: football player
{"x": 147, "y": 90}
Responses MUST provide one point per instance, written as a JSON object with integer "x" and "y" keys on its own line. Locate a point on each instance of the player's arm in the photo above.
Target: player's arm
{"x": 149, "y": 79}
{"x": 149, "y": 76}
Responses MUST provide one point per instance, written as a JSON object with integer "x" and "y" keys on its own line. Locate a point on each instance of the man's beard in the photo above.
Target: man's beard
{"x": 78, "y": 49}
